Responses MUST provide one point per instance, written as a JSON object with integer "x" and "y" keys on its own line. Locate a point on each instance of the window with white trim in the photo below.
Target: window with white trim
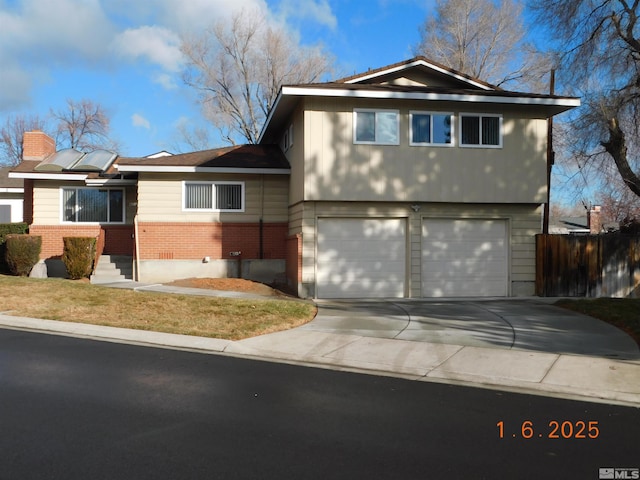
{"x": 429, "y": 128}
{"x": 380, "y": 127}
{"x": 213, "y": 196}
{"x": 93, "y": 205}
{"x": 480, "y": 130}
{"x": 287, "y": 139}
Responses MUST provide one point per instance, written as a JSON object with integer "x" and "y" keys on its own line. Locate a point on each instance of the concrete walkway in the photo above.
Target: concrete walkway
{"x": 508, "y": 344}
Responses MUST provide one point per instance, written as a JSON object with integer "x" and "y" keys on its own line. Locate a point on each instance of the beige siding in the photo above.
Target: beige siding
{"x": 524, "y": 221}
{"x": 47, "y": 201}
{"x": 336, "y": 169}
{"x": 295, "y": 155}
{"x": 160, "y": 198}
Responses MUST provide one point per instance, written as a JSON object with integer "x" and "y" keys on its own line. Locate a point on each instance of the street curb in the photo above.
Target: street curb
{"x": 436, "y": 374}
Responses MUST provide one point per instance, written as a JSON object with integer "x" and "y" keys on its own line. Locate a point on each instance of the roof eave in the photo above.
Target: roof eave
{"x": 415, "y": 63}
{"x": 193, "y": 169}
{"x": 48, "y": 176}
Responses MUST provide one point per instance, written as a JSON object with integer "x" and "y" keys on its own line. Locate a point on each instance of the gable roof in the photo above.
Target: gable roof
{"x": 421, "y": 62}
{"x": 414, "y": 79}
{"x": 263, "y": 159}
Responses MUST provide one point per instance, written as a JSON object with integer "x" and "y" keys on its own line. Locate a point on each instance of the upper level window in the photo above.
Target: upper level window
{"x": 287, "y": 139}
{"x": 430, "y": 128}
{"x": 93, "y": 205}
{"x": 376, "y": 127}
{"x": 480, "y": 130}
{"x": 214, "y": 196}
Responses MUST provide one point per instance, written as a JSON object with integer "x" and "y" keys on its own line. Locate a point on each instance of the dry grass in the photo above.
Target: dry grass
{"x": 76, "y": 301}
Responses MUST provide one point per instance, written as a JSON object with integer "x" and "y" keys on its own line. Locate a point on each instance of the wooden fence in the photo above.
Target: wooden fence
{"x": 588, "y": 266}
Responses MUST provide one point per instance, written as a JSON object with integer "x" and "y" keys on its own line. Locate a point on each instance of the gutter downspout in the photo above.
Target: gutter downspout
{"x": 137, "y": 247}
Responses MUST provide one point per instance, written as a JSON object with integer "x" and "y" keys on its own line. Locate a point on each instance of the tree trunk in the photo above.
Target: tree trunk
{"x": 617, "y": 148}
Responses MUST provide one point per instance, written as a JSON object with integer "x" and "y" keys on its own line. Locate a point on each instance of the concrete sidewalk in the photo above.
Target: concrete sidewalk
{"x": 580, "y": 377}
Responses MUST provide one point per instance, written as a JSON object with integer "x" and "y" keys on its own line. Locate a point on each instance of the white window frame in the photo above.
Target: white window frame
{"x": 431, "y": 114}
{"x": 76, "y": 210}
{"x": 375, "y": 111}
{"x": 481, "y": 116}
{"x": 287, "y": 139}
{"x": 213, "y": 184}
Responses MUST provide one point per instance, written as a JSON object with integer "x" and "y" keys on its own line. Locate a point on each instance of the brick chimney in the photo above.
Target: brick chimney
{"x": 594, "y": 220}
{"x": 37, "y": 145}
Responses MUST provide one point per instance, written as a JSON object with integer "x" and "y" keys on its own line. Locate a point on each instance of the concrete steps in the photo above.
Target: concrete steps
{"x": 113, "y": 268}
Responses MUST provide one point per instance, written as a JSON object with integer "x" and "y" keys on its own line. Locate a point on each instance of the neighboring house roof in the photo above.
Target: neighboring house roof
{"x": 568, "y": 225}
{"x": 236, "y": 159}
{"x": 414, "y": 79}
{"x": 10, "y": 185}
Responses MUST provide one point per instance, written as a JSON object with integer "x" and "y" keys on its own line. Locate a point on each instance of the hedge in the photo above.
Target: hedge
{"x": 9, "y": 229}
{"x": 78, "y": 256}
{"x": 22, "y": 253}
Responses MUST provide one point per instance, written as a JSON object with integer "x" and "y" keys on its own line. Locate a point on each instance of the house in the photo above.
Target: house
{"x": 411, "y": 180}
{"x": 11, "y": 197}
{"x": 589, "y": 224}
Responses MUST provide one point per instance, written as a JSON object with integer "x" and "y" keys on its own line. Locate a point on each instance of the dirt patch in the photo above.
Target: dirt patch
{"x": 228, "y": 284}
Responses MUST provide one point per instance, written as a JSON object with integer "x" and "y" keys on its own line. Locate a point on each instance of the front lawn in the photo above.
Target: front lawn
{"x": 217, "y": 317}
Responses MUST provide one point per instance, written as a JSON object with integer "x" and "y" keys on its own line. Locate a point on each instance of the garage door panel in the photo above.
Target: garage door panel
{"x": 361, "y": 258}
{"x": 464, "y": 258}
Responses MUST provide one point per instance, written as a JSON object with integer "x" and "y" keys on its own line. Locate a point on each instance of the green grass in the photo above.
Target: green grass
{"x": 624, "y": 313}
{"x": 217, "y": 317}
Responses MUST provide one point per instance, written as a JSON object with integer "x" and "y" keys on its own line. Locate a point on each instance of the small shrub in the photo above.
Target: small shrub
{"x": 8, "y": 229}
{"x": 78, "y": 256}
{"x": 23, "y": 252}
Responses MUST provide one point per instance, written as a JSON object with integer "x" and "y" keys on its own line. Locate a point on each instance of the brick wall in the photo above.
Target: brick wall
{"x": 189, "y": 241}
{"x": 118, "y": 238}
{"x": 52, "y": 235}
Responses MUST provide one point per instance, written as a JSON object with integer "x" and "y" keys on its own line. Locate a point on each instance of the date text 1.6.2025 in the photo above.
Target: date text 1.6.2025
{"x": 554, "y": 429}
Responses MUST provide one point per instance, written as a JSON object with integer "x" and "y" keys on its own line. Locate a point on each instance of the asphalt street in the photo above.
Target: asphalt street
{"x": 75, "y": 409}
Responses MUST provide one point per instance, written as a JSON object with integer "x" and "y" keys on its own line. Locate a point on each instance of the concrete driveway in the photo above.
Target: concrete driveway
{"x": 524, "y": 324}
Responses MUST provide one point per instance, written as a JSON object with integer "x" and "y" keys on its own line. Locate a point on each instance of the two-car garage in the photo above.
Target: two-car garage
{"x": 367, "y": 257}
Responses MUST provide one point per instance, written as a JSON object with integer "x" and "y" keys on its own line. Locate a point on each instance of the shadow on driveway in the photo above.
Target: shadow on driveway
{"x": 524, "y": 324}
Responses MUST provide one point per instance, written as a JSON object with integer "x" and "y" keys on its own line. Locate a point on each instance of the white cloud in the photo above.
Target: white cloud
{"x": 318, "y": 11}
{"x": 139, "y": 121}
{"x": 167, "y": 81}
{"x": 159, "y": 45}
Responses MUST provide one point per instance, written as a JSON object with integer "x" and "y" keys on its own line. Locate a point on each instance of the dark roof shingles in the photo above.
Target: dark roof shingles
{"x": 242, "y": 156}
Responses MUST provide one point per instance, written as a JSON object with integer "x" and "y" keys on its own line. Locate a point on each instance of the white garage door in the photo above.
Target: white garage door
{"x": 361, "y": 258}
{"x": 464, "y": 258}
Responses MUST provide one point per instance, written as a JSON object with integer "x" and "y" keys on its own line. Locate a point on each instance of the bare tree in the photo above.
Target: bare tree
{"x": 238, "y": 67}
{"x": 484, "y": 39}
{"x": 12, "y": 134}
{"x": 599, "y": 43}
{"x": 83, "y": 125}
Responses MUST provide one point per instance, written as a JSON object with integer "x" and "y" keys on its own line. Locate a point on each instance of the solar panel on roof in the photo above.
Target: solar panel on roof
{"x": 98, "y": 160}
{"x": 62, "y": 160}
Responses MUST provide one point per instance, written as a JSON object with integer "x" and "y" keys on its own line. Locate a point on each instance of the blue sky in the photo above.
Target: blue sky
{"x": 125, "y": 55}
